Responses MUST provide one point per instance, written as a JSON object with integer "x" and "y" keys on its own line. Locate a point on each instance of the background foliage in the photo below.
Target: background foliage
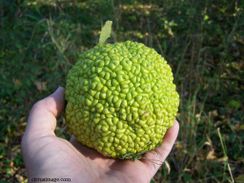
{"x": 202, "y": 41}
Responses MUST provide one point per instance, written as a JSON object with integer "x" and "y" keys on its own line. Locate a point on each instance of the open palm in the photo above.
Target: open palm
{"x": 48, "y": 156}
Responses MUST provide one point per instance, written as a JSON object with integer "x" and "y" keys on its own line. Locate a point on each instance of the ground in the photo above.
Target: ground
{"x": 202, "y": 41}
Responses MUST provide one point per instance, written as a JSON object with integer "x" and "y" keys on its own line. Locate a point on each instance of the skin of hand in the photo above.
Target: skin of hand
{"x": 46, "y": 155}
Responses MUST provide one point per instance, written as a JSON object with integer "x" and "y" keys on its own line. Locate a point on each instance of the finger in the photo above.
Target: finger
{"x": 155, "y": 158}
{"x": 42, "y": 118}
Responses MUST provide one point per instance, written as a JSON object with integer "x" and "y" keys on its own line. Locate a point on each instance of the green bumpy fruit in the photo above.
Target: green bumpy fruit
{"x": 121, "y": 99}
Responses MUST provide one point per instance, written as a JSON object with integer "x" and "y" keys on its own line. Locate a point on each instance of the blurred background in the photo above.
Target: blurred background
{"x": 202, "y": 41}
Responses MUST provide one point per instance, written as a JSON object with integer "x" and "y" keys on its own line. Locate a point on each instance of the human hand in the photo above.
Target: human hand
{"x": 48, "y": 156}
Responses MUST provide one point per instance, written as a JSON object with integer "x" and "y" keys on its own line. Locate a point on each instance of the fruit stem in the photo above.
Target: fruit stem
{"x": 105, "y": 32}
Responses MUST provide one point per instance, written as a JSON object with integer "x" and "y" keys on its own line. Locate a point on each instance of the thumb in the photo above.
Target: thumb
{"x": 154, "y": 159}
{"x": 42, "y": 118}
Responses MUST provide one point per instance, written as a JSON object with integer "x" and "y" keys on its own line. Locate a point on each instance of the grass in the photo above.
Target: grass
{"x": 202, "y": 41}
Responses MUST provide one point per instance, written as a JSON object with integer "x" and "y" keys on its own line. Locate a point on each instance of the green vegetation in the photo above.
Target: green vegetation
{"x": 202, "y": 41}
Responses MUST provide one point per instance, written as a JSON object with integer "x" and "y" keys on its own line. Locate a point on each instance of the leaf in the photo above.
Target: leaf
{"x": 211, "y": 155}
{"x": 105, "y": 32}
{"x": 234, "y": 104}
{"x": 41, "y": 86}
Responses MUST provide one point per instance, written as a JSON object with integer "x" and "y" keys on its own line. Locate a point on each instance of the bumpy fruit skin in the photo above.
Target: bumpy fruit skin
{"x": 120, "y": 99}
